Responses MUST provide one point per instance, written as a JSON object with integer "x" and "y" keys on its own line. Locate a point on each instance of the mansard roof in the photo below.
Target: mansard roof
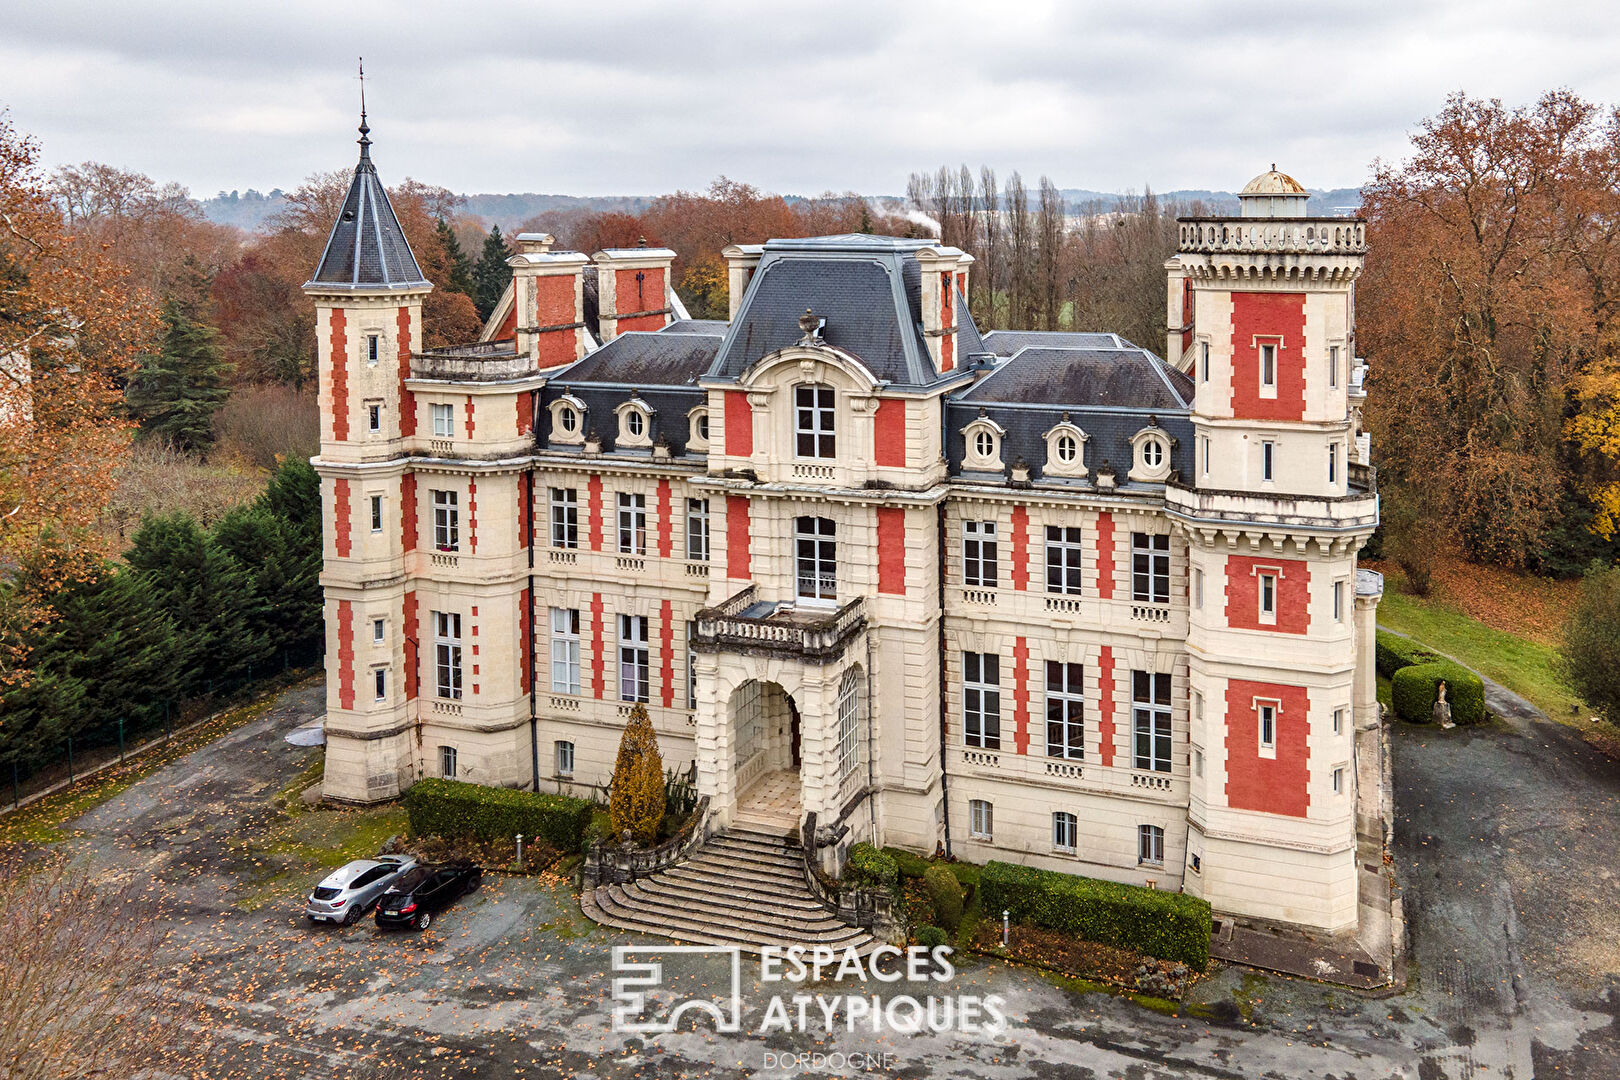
{"x": 1007, "y": 342}
{"x": 367, "y": 247}
{"x": 674, "y": 356}
{"x": 1129, "y": 377}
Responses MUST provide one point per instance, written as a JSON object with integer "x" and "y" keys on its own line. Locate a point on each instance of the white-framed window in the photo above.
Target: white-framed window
{"x": 379, "y": 684}
{"x": 979, "y": 564}
{"x": 1268, "y": 596}
{"x": 697, "y": 429}
{"x": 379, "y": 631}
{"x": 691, "y": 667}
{"x": 1333, "y": 463}
{"x": 1338, "y": 721}
{"x": 1150, "y": 719}
{"x": 567, "y": 420}
{"x": 981, "y": 700}
{"x": 632, "y": 524}
{"x": 376, "y": 514}
{"x": 1333, "y": 366}
{"x": 1338, "y": 601}
{"x": 1150, "y": 459}
{"x": 374, "y": 416}
{"x": 849, "y": 723}
{"x": 814, "y": 413}
{"x": 446, "y": 521}
{"x": 982, "y": 445}
{"x": 1268, "y": 365}
{"x": 634, "y": 663}
{"x": 1065, "y": 710}
{"x": 1153, "y": 453}
{"x": 565, "y": 758}
{"x": 373, "y": 348}
{"x": 565, "y": 666}
{"x": 981, "y": 819}
{"x": 564, "y": 518}
{"x": 1338, "y": 780}
{"x": 447, "y": 653}
{"x": 1203, "y": 441}
{"x": 444, "y": 421}
{"x": 1198, "y": 588}
{"x": 1203, "y": 360}
{"x": 816, "y": 558}
{"x": 1065, "y": 832}
{"x": 635, "y": 423}
{"x": 1064, "y": 550}
{"x": 1266, "y": 712}
{"x": 1065, "y": 449}
{"x": 697, "y": 529}
{"x": 1150, "y": 568}
{"x": 1268, "y": 455}
{"x": 1150, "y": 845}
{"x": 447, "y": 762}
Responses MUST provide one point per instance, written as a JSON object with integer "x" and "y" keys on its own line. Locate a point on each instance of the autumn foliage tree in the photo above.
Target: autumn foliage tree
{"x": 636, "y": 797}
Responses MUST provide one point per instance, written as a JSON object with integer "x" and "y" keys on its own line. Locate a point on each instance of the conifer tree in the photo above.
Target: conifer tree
{"x": 636, "y": 800}
{"x": 491, "y": 274}
{"x": 283, "y": 563}
{"x": 176, "y": 391}
{"x": 461, "y": 267}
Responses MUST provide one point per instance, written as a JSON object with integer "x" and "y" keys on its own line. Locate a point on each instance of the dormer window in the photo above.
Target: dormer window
{"x": 567, "y": 420}
{"x": 697, "y": 425}
{"x": 635, "y": 424}
{"x": 984, "y": 444}
{"x": 814, "y": 423}
{"x": 982, "y": 439}
{"x": 1152, "y": 454}
{"x": 1065, "y": 450}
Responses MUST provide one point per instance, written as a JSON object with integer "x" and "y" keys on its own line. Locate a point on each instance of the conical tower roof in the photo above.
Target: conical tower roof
{"x": 367, "y": 248}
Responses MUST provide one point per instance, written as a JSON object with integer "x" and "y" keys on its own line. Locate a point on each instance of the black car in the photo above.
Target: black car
{"x": 423, "y": 892}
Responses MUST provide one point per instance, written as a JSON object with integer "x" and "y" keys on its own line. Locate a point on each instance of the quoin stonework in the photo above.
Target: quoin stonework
{"x": 1041, "y": 597}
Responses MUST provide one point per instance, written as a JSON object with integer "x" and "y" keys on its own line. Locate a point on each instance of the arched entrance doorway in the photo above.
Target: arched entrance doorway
{"x": 767, "y": 724}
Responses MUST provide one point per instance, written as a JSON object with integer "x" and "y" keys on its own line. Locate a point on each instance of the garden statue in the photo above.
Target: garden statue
{"x": 1442, "y": 709}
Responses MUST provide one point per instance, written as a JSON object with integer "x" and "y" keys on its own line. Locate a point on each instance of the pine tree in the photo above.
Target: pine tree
{"x": 284, "y": 567}
{"x": 176, "y": 391}
{"x": 461, "y": 267}
{"x": 116, "y": 641}
{"x": 491, "y": 274}
{"x": 636, "y": 800}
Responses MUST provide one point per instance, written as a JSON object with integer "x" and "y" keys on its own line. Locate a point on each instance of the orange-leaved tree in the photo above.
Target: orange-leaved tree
{"x": 636, "y": 800}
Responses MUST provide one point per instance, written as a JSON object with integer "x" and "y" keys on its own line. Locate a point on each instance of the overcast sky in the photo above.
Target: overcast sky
{"x": 632, "y": 98}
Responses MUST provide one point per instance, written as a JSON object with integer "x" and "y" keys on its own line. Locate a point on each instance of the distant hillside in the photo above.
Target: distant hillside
{"x": 1325, "y": 203}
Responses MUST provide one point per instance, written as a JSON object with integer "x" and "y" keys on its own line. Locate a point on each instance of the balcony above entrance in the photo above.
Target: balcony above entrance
{"x": 747, "y": 624}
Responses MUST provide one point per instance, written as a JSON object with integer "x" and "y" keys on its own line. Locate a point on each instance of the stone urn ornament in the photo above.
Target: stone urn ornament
{"x": 1442, "y": 708}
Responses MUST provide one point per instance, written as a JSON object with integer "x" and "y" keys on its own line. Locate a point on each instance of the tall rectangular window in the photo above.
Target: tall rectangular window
{"x": 1203, "y": 360}
{"x": 1150, "y": 568}
{"x": 1333, "y": 366}
{"x": 691, "y": 667}
{"x": 632, "y": 524}
{"x": 981, "y": 819}
{"x": 1338, "y": 781}
{"x": 444, "y": 421}
{"x": 1268, "y": 451}
{"x": 1065, "y": 710}
{"x": 1150, "y": 718}
{"x": 1268, "y": 725}
{"x": 813, "y": 409}
{"x": 1338, "y": 721}
{"x": 565, "y": 650}
{"x": 374, "y": 417}
{"x": 634, "y": 664}
{"x": 376, "y": 514}
{"x": 379, "y": 684}
{"x": 1150, "y": 845}
{"x": 446, "y": 521}
{"x": 447, "y": 762}
{"x": 981, "y": 700}
{"x": 1198, "y": 588}
{"x": 1333, "y": 463}
{"x": 1203, "y": 443}
{"x": 565, "y": 759}
{"x": 447, "y": 653}
{"x": 1338, "y": 601}
{"x": 1268, "y": 597}
{"x": 373, "y": 348}
{"x": 1065, "y": 832}
{"x": 564, "y": 518}
{"x": 1064, "y": 547}
{"x": 379, "y": 631}
{"x": 697, "y": 529}
{"x": 1268, "y": 365}
{"x": 979, "y": 554}
{"x": 816, "y": 556}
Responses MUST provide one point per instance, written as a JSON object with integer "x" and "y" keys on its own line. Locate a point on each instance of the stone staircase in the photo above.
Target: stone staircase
{"x": 744, "y": 887}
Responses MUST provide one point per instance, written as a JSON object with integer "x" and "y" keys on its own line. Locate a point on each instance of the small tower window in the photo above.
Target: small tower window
{"x": 1333, "y": 366}
{"x": 1268, "y": 365}
{"x": 379, "y": 684}
{"x": 374, "y": 416}
{"x": 376, "y": 514}
{"x": 1203, "y": 360}
{"x": 373, "y": 349}
{"x": 1267, "y": 453}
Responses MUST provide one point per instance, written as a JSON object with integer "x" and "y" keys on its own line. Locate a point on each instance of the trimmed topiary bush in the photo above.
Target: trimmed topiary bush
{"x": 452, "y": 808}
{"x": 869, "y": 868}
{"x": 909, "y": 864}
{"x": 931, "y": 937}
{"x": 1395, "y": 652}
{"x": 1415, "y": 688}
{"x": 945, "y": 893}
{"x": 1165, "y": 925}
{"x": 636, "y": 800}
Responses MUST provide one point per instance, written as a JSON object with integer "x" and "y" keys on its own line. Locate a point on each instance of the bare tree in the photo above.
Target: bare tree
{"x": 991, "y": 257}
{"x": 1051, "y": 230}
{"x": 1021, "y": 250}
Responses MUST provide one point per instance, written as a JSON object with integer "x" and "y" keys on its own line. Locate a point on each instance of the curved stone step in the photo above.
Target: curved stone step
{"x": 724, "y": 892}
{"x": 764, "y": 919}
{"x": 689, "y": 926}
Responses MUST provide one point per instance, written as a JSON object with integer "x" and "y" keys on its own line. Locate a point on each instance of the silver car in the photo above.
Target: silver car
{"x": 348, "y": 892}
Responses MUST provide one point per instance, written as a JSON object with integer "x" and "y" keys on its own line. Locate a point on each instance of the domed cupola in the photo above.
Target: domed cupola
{"x": 1273, "y": 194}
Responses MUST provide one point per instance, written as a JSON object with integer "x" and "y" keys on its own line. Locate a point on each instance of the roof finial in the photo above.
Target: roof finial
{"x": 365, "y": 129}
{"x": 1273, "y": 166}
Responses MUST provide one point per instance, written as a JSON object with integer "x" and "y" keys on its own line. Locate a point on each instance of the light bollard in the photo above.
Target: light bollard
{"x": 1006, "y": 927}
{"x": 520, "y": 851}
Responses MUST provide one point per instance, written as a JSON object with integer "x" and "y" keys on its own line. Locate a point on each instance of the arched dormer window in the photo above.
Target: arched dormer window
{"x": 983, "y": 438}
{"x": 697, "y": 430}
{"x": 1065, "y": 450}
{"x": 567, "y": 420}
{"x": 635, "y": 424}
{"x": 1150, "y": 457}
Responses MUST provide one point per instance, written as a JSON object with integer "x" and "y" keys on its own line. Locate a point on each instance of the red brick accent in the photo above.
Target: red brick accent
{"x": 1243, "y": 594}
{"x": 630, "y": 296}
{"x": 1188, "y": 309}
{"x": 1020, "y": 548}
{"x": 411, "y": 649}
{"x": 593, "y": 507}
{"x": 525, "y": 412}
{"x": 555, "y": 306}
{"x": 891, "y": 553}
{"x": 889, "y": 433}
{"x": 1105, "y": 555}
{"x": 663, "y": 519}
{"x": 508, "y": 327}
{"x": 739, "y": 424}
{"x": 737, "y": 562}
{"x": 947, "y": 320}
{"x": 340, "y": 512}
{"x": 471, "y": 425}
{"x": 407, "y": 512}
{"x": 407, "y": 399}
{"x": 598, "y": 659}
{"x": 1105, "y": 704}
{"x": 1280, "y": 317}
{"x": 340, "y": 375}
{"x": 526, "y": 632}
{"x": 525, "y": 510}
{"x": 472, "y": 519}
{"x": 666, "y": 651}
{"x": 1278, "y": 785}
{"x": 345, "y": 651}
{"x": 1021, "y": 695}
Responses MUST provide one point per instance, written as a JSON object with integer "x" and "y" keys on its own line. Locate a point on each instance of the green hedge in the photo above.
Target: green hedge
{"x": 452, "y": 808}
{"x": 1165, "y": 925}
{"x": 1414, "y": 689}
{"x": 908, "y": 863}
{"x": 1396, "y": 652}
{"x": 945, "y": 894}
{"x": 870, "y": 868}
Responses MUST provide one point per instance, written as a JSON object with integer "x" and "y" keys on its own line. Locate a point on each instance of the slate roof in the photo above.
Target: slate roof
{"x": 1129, "y": 378}
{"x": 644, "y": 358}
{"x": 1007, "y": 342}
{"x": 716, "y": 327}
{"x": 367, "y": 248}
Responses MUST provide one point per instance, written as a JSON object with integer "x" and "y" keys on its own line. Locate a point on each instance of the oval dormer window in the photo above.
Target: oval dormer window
{"x": 1066, "y": 449}
{"x": 984, "y": 444}
{"x": 703, "y": 426}
{"x": 635, "y": 423}
{"x": 1153, "y": 453}
{"x": 568, "y": 419}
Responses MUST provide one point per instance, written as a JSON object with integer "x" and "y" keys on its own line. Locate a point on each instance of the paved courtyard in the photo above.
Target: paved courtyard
{"x": 1508, "y": 853}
